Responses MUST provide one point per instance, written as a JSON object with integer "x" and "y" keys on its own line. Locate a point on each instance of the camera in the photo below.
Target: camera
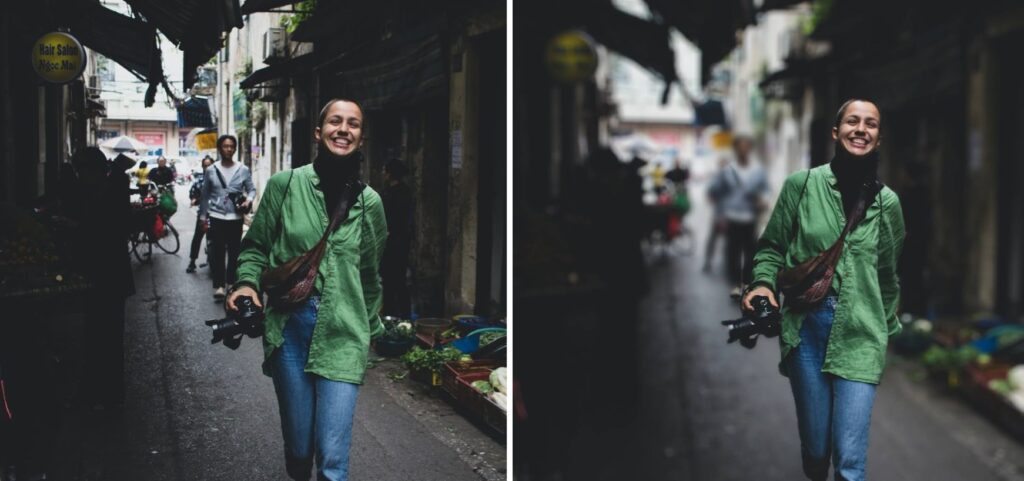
{"x": 764, "y": 320}
{"x": 246, "y": 321}
{"x": 238, "y": 199}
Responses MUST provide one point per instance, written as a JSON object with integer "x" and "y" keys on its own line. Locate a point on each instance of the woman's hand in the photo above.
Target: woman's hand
{"x": 242, "y": 291}
{"x": 759, "y": 291}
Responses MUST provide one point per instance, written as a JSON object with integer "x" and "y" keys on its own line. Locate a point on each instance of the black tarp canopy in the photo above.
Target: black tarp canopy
{"x": 253, "y": 6}
{"x": 125, "y": 40}
{"x": 195, "y": 112}
{"x": 195, "y": 26}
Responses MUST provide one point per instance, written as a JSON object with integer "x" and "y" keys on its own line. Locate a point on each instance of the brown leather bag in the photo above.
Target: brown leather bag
{"x": 808, "y": 282}
{"x": 291, "y": 283}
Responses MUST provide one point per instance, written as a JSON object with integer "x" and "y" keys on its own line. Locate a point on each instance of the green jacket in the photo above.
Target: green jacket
{"x": 866, "y": 279}
{"x": 349, "y": 283}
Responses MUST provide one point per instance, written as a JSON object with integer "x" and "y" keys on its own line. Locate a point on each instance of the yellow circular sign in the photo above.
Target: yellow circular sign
{"x": 58, "y": 57}
{"x": 571, "y": 57}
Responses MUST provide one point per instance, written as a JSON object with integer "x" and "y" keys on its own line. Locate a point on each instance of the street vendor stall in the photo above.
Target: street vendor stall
{"x": 41, "y": 298}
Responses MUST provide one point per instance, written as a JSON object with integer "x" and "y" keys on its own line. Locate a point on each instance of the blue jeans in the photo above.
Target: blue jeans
{"x": 311, "y": 406}
{"x": 833, "y": 414}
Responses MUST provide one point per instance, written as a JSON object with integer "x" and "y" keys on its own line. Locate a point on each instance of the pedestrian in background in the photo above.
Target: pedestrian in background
{"x": 162, "y": 175}
{"x": 142, "y": 177}
{"x": 317, "y": 377}
{"x": 834, "y": 394}
{"x": 195, "y": 194}
{"x": 103, "y": 211}
{"x": 397, "y": 198}
{"x": 742, "y": 188}
{"x": 221, "y": 211}
{"x": 718, "y": 225}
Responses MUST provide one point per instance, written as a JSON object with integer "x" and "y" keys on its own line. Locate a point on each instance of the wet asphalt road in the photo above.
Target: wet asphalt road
{"x": 711, "y": 411}
{"x": 197, "y": 411}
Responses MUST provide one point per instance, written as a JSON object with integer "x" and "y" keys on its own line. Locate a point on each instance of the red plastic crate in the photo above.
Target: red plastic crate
{"x": 477, "y": 402}
{"x": 493, "y": 415}
{"x": 455, "y": 369}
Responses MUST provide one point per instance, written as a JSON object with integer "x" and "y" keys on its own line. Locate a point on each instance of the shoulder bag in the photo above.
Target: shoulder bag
{"x": 807, "y": 283}
{"x": 291, "y": 283}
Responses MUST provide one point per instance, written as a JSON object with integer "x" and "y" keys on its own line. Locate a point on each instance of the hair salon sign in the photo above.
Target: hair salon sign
{"x": 58, "y": 57}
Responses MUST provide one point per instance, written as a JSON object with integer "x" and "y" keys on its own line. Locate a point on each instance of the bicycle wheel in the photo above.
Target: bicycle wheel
{"x": 169, "y": 243}
{"x": 142, "y": 248}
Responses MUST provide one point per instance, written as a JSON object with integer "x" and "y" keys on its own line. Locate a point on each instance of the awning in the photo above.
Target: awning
{"x": 293, "y": 66}
{"x": 710, "y": 24}
{"x": 646, "y": 43}
{"x": 196, "y": 26}
{"x": 95, "y": 109}
{"x": 417, "y": 74}
{"x": 125, "y": 40}
{"x": 195, "y": 112}
{"x": 253, "y": 6}
{"x": 779, "y": 4}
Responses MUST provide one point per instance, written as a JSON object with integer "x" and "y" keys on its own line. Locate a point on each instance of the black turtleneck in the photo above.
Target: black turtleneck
{"x": 334, "y": 173}
{"x": 852, "y": 173}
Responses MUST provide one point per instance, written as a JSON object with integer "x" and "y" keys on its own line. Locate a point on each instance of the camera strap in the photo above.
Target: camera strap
{"x": 221, "y": 177}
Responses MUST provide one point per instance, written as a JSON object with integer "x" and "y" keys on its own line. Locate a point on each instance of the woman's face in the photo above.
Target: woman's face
{"x": 342, "y": 129}
{"x": 227, "y": 148}
{"x": 858, "y": 130}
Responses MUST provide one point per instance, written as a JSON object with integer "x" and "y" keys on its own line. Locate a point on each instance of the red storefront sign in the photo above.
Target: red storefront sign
{"x": 154, "y": 140}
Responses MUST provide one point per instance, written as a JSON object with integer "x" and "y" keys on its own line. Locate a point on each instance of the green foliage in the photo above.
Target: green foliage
{"x": 245, "y": 71}
{"x": 398, "y": 330}
{"x": 942, "y": 359}
{"x": 819, "y": 12}
{"x": 418, "y": 359}
{"x": 305, "y": 9}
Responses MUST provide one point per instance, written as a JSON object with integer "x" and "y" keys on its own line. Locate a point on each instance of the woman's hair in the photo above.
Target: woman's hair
{"x": 222, "y": 138}
{"x": 842, "y": 109}
{"x": 327, "y": 106}
{"x": 142, "y": 165}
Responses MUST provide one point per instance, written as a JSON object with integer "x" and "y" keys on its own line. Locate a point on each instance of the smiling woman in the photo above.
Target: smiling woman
{"x": 317, "y": 377}
{"x": 834, "y": 393}
{"x": 857, "y": 125}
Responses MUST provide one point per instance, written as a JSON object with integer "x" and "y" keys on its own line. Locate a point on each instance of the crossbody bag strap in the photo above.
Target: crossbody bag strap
{"x": 221, "y": 177}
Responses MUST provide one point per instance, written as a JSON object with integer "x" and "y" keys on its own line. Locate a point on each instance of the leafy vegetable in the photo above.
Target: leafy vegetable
{"x": 489, "y": 337}
{"x": 949, "y": 359}
{"x": 452, "y": 333}
{"x": 499, "y": 380}
{"x": 482, "y": 386}
{"x": 422, "y": 359}
{"x": 1001, "y": 386}
{"x": 398, "y": 330}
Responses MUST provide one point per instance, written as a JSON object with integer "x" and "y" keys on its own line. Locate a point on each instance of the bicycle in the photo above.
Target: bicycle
{"x": 146, "y": 229}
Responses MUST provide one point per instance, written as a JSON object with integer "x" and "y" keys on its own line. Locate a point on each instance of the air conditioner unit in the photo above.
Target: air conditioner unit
{"x": 275, "y": 45}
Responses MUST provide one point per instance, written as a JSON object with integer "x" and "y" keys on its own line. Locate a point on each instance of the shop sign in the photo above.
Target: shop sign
{"x": 58, "y": 57}
{"x": 154, "y": 140}
{"x": 206, "y": 141}
{"x": 571, "y": 57}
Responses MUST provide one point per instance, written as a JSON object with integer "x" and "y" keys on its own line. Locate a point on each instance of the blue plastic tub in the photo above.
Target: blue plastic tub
{"x": 471, "y": 342}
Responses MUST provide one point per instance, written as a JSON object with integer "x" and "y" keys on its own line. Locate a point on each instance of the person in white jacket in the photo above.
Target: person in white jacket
{"x": 740, "y": 190}
{"x": 227, "y": 196}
